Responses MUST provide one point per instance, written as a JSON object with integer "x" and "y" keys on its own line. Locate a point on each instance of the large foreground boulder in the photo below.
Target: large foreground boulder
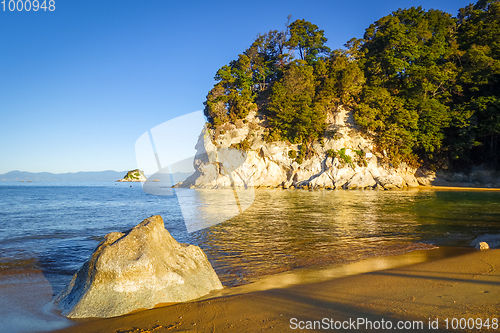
{"x": 137, "y": 269}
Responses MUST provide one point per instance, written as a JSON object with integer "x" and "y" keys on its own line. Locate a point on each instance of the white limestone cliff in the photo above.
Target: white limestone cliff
{"x": 236, "y": 154}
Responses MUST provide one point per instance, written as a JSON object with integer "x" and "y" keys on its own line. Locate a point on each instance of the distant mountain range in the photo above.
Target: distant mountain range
{"x": 94, "y": 176}
{"x": 97, "y": 176}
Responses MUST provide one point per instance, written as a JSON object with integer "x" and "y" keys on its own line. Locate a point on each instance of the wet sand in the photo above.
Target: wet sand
{"x": 24, "y": 303}
{"x": 464, "y": 286}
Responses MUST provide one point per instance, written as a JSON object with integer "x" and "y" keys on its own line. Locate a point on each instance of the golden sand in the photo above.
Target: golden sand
{"x": 465, "y": 286}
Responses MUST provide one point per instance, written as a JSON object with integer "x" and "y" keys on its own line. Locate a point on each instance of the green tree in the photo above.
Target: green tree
{"x": 267, "y": 58}
{"x": 290, "y": 112}
{"x": 477, "y": 105}
{"x": 339, "y": 81}
{"x": 410, "y": 55}
{"x": 307, "y": 39}
{"x": 393, "y": 126}
{"x": 232, "y": 96}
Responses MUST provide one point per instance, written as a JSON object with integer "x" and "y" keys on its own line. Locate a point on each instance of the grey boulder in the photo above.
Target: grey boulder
{"x": 137, "y": 269}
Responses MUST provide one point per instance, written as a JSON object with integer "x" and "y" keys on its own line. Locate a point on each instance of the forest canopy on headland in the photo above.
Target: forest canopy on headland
{"x": 423, "y": 84}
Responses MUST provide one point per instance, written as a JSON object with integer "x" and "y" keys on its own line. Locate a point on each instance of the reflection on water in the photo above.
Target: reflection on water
{"x": 205, "y": 208}
{"x": 284, "y": 230}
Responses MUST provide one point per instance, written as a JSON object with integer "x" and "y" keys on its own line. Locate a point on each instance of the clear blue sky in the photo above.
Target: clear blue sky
{"x": 79, "y": 85}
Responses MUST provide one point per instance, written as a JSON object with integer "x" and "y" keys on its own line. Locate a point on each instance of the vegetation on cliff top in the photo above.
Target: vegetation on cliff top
{"x": 423, "y": 84}
{"x": 135, "y": 174}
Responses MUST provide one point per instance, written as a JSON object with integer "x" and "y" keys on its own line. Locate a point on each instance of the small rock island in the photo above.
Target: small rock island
{"x": 135, "y": 175}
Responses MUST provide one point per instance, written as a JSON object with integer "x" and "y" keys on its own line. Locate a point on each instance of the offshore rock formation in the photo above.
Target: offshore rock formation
{"x": 134, "y": 176}
{"x": 137, "y": 269}
{"x": 237, "y": 155}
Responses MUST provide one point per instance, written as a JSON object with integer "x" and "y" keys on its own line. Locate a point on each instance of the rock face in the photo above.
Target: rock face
{"x": 486, "y": 241}
{"x": 236, "y": 155}
{"x": 344, "y": 160}
{"x": 134, "y": 176}
{"x": 137, "y": 269}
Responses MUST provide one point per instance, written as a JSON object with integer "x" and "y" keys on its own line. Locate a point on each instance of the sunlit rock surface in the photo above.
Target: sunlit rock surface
{"x": 237, "y": 155}
{"x": 137, "y": 269}
{"x": 222, "y": 162}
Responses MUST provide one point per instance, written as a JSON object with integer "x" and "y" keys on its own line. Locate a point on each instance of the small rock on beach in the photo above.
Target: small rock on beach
{"x": 486, "y": 241}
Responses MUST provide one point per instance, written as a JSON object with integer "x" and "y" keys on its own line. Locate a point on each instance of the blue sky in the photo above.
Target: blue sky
{"x": 79, "y": 85}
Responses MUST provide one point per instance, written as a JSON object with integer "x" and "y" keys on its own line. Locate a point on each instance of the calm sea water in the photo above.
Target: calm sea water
{"x": 52, "y": 228}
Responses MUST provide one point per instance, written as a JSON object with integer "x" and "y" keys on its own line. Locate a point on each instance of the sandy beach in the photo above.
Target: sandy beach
{"x": 466, "y": 285}
{"x": 458, "y": 187}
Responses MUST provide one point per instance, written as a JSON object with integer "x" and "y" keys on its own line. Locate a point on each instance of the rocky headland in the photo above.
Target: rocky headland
{"x": 236, "y": 154}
